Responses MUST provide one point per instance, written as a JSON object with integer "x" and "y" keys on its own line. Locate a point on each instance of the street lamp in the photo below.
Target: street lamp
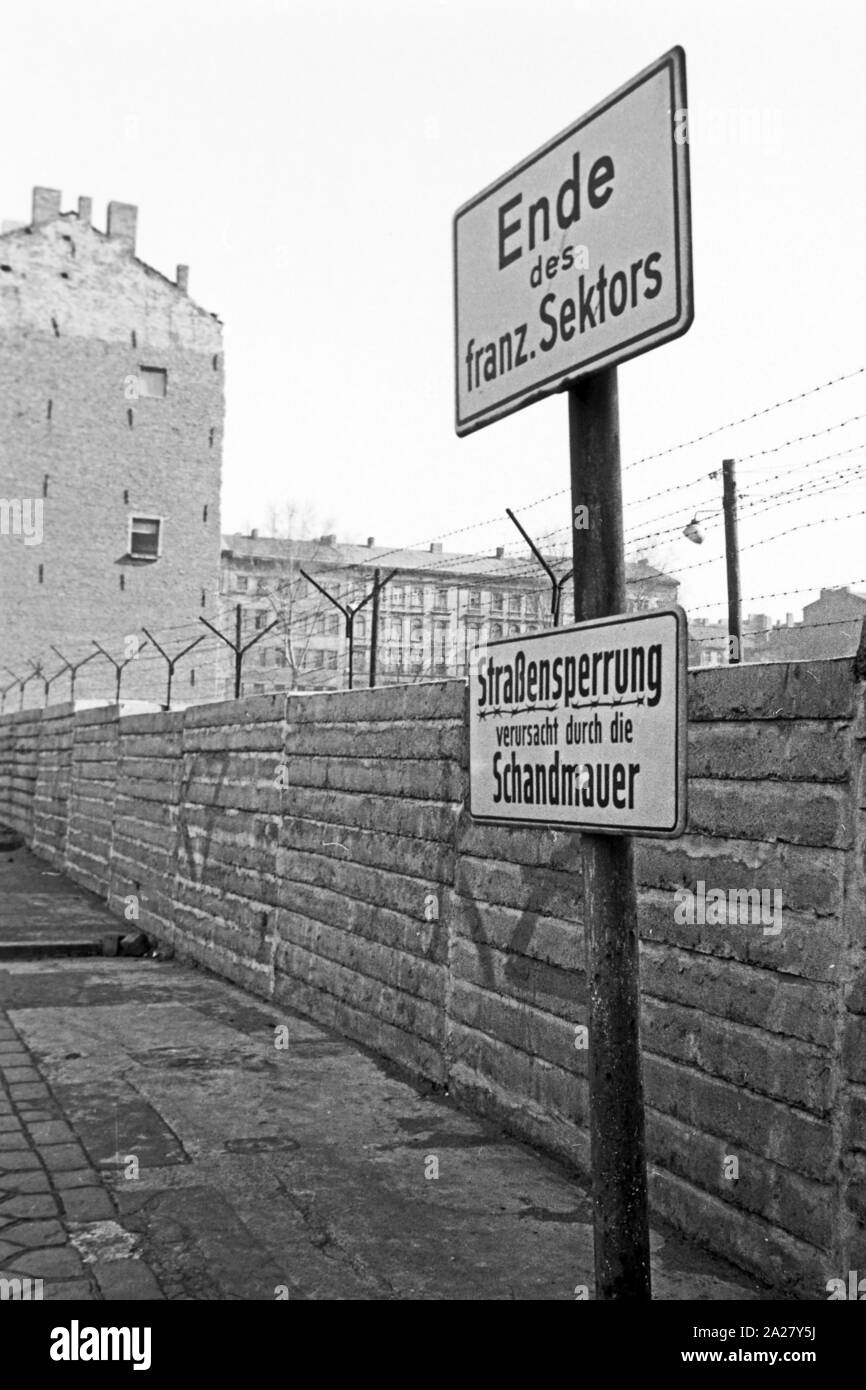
{"x": 693, "y": 531}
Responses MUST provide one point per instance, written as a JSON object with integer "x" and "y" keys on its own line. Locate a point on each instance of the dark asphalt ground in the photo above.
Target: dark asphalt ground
{"x": 156, "y": 1143}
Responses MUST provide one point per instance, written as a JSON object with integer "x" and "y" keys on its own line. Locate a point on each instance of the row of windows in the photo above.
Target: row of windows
{"x": 444, "y": 643}
{"x": 393, "y": 658}
{"x": 315, "y": 657}
{"x": 515, "y": 605}
{"x": 409, "y": 596}
{"x": 322, "y": 625}
{"x": 331, "y": 624}
{"x": 312, "y": 660}
{"x": 294, "y": 589}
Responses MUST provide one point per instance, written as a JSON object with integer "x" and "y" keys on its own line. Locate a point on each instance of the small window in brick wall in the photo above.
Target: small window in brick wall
{"x": 145, "y": 537}
{"x": 152, "y": 381}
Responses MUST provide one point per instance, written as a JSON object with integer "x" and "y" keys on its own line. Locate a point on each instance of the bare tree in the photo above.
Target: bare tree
{"x": 292, "y": 521}
{"x": 301, "y": 611}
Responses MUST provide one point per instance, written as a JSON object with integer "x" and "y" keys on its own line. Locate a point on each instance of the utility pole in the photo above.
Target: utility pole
{"x": 732, "y": 561}
{"x": 618, "y": 1146}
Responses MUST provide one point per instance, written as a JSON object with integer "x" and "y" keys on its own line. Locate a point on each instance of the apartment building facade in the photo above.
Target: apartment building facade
{"x": 433, "y": 610}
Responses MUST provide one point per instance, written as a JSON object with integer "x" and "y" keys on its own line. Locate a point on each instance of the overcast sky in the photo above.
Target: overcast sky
{"x": 306, "y": 160}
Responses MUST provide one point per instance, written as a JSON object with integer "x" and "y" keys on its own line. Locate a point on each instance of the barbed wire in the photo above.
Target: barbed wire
{"x": 305, "y": 618}
{"x": 779, "y": 628}
{"x": 784, "y": 593}
{"x": 647, "y": 458}
{"x": 317, "y": 676}
{"x": 746, "y": 419}
{"x": 752, "y": 507}
{"x": 799, "y": 439}
{"x": 766, "y": 540}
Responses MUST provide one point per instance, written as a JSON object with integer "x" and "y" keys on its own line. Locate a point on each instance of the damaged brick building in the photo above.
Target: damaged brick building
{"x": 111, "y": 425}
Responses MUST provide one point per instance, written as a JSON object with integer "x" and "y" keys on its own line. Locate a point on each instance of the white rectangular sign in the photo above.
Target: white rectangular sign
{"x": 583, "y": 726}
{"x": 580, "y": 258}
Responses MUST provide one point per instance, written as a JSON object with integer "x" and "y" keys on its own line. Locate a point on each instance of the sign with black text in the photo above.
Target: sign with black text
{"x": 580, "y": 258}
{"x": 583, "y": 726}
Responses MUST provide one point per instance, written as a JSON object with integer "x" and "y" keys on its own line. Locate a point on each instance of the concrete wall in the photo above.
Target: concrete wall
{"x": 315, "y": 850}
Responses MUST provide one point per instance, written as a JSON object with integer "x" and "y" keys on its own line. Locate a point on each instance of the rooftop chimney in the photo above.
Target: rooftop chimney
{"x": 182, "y": 278}
{"x": 371, "y": 541}
{"x": 254, "y": 535}
{"x": 328, "y": 540}
{"x": 85, "y": 210}
{"x": 435, "y": 547}
{"x": 122, "y": 218}
{"x": 500, "y": 552}
{"x": 46, "y": 205}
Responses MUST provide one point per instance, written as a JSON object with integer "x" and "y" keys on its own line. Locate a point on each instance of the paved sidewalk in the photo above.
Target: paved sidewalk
{"x": 39, "y": 915}
{"x": 58, "y": 1222}
{"x": 156, "y": 1143}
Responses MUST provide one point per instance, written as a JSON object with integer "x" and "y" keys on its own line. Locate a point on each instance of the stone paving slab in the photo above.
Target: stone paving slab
{"x": 45, "y": 1217}
{"x": 43, "y": 913}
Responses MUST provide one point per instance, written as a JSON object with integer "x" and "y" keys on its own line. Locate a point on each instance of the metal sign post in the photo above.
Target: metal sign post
{"x": 617, "y": 1145}
{"x": 575, "y": 261}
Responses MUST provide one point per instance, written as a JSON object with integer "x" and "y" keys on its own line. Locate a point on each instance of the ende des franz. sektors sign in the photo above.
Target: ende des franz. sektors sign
{"x": 580, "y": 258}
